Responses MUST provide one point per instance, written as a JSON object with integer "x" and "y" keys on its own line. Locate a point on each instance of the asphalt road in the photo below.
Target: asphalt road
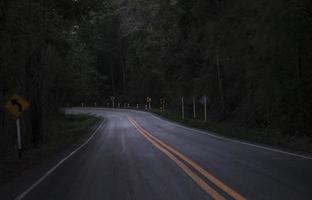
{"x": 138, "y": 156}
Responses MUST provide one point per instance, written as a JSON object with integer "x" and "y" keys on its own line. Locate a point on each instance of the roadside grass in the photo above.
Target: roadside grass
{"x": 235, "y": 131}
{"x": 62, "y": 132}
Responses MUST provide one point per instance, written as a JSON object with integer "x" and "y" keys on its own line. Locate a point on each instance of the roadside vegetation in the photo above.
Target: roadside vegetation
{"x": 234, "y": 130}
{"x": 62, "y": 132}
{"x": 251, "y": 59}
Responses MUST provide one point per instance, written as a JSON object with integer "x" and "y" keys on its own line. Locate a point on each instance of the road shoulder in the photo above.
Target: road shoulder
{"x": 26, "y": 178}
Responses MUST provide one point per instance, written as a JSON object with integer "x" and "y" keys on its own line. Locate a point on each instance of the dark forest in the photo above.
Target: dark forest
{"x": 252, "y": 59}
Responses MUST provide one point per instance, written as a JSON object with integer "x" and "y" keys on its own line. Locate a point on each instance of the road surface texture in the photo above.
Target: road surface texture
{"x": 135, "y": 155}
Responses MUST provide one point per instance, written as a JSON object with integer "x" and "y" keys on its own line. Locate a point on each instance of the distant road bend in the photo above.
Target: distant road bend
{"x": 138, "y": 156}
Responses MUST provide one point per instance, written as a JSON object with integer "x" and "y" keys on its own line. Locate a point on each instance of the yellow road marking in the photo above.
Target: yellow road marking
{"x": 209, "y": 176}
{"x": 215, "y": 195}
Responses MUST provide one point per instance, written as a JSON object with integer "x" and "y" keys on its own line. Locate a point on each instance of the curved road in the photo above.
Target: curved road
{"x": 138, "y": 156}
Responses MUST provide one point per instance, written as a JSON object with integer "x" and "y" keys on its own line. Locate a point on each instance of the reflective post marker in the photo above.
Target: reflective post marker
{"x": 113, "y": 101}
{"x": 19, "y": 141}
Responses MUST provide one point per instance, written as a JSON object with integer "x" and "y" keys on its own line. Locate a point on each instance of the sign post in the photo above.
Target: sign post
{"x": 113, "y": 101}
{"x": 162, "y": 104}
{"x": 16, "y": 106}
{"x": 149, "y": 101}
{"x": 19, "y": 140}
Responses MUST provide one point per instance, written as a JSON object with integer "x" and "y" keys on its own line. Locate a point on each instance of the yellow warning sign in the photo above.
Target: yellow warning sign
{"x": 16, "y": 105}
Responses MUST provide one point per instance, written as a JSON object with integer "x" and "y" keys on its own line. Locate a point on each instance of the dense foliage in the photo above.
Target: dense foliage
{"x": 251, "y": 58}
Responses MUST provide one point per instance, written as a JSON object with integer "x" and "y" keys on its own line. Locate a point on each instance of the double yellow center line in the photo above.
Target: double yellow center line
{"x": 178, "y": 157}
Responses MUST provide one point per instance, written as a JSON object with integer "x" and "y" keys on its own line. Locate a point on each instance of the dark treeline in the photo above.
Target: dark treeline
{"x": 251, "y": 58}
{"x": 42, "y": 59}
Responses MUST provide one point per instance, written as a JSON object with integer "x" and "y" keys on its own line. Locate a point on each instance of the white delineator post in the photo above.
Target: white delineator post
{"x": 19, "y": 139}
{"x": 182, "y": 107}
{"x": 205, "y": 108}
{"x": 194, "y": 108}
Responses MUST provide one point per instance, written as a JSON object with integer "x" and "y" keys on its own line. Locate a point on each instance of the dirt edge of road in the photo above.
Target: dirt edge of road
{"x": 68, "y": 131}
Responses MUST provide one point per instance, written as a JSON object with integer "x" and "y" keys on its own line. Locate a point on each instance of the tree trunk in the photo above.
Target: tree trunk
{"x": 124, "y": 73}
{"x": 36, "y": 120}
{"x": 112, "y": 79}
{"x": 2, "y": 97}
{"x": 33, "y": 90}
{"x": 3, "y": 11}
{"x": 298, "y": 65}
{"x": 220, "y": 84}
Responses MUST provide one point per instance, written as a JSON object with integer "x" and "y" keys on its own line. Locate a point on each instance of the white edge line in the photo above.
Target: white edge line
{"x": 233, "y": 140}
{"x": 217, "y": 136}
{"x": 34, "y": 185}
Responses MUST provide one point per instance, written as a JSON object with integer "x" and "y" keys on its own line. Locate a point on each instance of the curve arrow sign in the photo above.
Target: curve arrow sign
{"x": 16, "y": 103}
